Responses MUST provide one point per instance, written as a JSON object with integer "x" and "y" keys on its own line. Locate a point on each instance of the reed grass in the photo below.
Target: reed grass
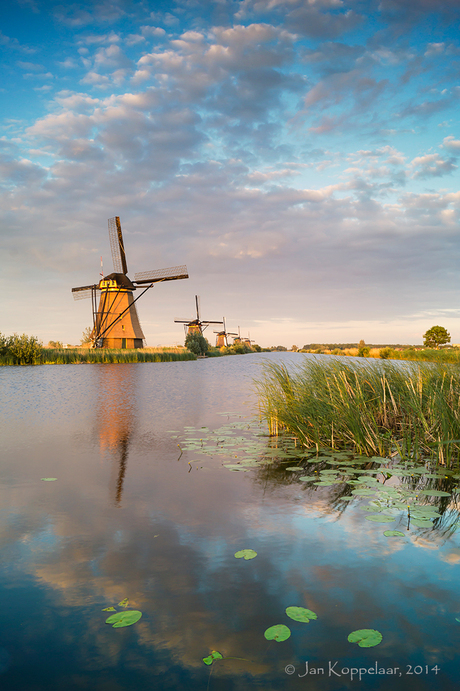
{"x": 375, "y": 408}
{"x": 56, "y": 356}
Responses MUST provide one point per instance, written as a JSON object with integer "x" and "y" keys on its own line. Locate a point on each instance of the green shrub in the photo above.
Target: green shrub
{"x": 197, "y": 343}
{"x": 24, "y": 350}
{"x": 385, "y": 353}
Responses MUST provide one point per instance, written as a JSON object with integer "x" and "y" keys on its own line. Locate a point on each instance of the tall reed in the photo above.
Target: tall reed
{"x": 55, "y": 356}
{"x": 376, "y": 408}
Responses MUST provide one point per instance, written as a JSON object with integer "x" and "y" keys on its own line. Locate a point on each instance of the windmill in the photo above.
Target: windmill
{"x": 115, "y": 320}
{"x": 195, "y": 325}
{"x": 222, "y": 336}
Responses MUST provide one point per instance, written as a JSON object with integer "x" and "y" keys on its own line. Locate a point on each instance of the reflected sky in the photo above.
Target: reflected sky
{"x": 129, "y": 517}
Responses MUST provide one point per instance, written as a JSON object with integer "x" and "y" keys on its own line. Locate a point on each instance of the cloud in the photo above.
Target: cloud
{"x": 432, "y": 165}
{"x": 31, "y": 66}
{"x": 451, "y": 143}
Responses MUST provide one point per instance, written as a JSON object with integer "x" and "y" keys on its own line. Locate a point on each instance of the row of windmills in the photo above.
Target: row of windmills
{"x": 115, "y": 319}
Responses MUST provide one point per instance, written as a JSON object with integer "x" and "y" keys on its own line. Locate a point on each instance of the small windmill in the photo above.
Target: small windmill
{"x": 115, "y": 320}
{"x": 195, "y": 325}
{"x": 222, "y": 336}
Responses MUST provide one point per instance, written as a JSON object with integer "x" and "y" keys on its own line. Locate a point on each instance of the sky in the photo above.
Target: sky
{"x": 301, "y": 157}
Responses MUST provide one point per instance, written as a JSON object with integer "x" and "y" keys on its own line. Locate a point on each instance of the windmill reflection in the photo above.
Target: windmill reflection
{"x": 116, "y": 419}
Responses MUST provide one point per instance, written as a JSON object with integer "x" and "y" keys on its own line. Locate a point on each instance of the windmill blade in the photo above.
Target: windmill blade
{"x": 117, "y": 246}
{"x": 184, "y": 321}
{"x": 209, "y": 322}
{"x": 173, "y": 273}
{"x": 83, "y": 292}
{"x": 197, "y": 300}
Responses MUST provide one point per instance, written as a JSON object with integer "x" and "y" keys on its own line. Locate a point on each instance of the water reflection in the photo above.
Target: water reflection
{"x": 116, "y": 420}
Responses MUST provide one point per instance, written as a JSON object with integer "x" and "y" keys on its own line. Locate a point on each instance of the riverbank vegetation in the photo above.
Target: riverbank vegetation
{"x": 384, "y": 352}
{"x": 383, "y": 409}
{"x": 30, "y": 352}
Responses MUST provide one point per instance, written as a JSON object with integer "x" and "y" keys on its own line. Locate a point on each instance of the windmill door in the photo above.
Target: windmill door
{"x": 123, "y": 342}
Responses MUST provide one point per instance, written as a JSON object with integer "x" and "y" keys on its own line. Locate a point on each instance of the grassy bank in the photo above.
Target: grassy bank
{"x": 443, "y": 355}
{"x": 55, "y": 356}
{"x": 376, "y": 409}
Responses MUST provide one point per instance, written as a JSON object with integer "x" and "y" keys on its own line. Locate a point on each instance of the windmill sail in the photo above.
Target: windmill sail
{"x": 117, "y": 246}
{"x": 170, "y": 274}
{"x": 83, "y": 292}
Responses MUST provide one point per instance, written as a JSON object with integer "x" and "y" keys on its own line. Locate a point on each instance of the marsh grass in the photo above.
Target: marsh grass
{"x": 376, "y": 408}
{"x": 56, "y": 356}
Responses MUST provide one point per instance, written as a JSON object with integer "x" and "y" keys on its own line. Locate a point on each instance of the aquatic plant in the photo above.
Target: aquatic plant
{"x": 374, "y": 408}
{"x": 68, "y": 356}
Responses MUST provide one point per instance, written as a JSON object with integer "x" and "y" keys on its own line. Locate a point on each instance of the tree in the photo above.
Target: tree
{"x": 86, "y": 336}
{"x": 197, "y": 343}
{"x": 435, "y": 337}
{"x": 55, "y": 344}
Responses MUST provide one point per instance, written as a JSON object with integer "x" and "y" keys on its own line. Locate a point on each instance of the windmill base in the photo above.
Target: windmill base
{"x": 121, "y": 343}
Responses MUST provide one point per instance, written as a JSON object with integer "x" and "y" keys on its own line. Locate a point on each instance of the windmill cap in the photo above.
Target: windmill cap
{"x": 121, "y": 279}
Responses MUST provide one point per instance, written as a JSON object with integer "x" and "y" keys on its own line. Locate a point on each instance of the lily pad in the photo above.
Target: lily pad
{"x": 365, "y": 638}
{"x": 124, "y": 603}
{"x": 301, "y": 614}
{"x": 126, "y": 618}
{"x": 215, "y": 655}
{"x": 434, "y": 493}
{"x": 420, "y": 523}
{"x": 109, "y": 609}
{"x": 393, "y": 533}
{"x": 278, "y": 633}
{"x": 246, "y": 554}
{"x": 295, "y": 468}
{"x": 380, "y": 518}
{"x": 48, "y": 479}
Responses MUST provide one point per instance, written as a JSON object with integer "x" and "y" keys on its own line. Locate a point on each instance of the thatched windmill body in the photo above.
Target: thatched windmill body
{"x": 115, "y": 320}
{"x": 198, "y": 325}
{"x": 222, "y": 336}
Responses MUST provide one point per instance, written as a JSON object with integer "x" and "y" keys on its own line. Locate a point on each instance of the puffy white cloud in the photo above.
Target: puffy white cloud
{"x": 432, "y": 165}
{"x": 451, "y": 143}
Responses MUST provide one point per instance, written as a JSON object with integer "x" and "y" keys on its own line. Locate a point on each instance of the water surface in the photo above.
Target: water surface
{"x": 130, "y": 516}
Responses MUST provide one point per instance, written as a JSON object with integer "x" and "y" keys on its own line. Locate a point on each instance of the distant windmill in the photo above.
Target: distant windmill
{"x": 115, "y": 321}
{"x": 222, "y": 336}
{"x": 195, "y": 325}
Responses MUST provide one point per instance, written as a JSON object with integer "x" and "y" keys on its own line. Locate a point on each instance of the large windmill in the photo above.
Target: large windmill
{"x": 195, "y": 325}
{"x": 222, "y": 336}
{"x": 115, "y": 320}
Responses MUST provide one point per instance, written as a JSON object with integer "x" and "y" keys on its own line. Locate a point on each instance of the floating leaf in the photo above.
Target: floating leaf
{"x": 215, "y": 655}
{"x": 363, "y": 492}
{"x": 246, "y": 554}
{"x": 307, "y": 478}
{"x": 124, "y": 603}
{"x": 294, "y": 468}
{"x": 420, "y": 523}
{"x": 434, "y": 493}
{"x": 48, "y": 479}
{"x": 393, "y": 533}
{"x": 380, "y": 518}
{"x": 301, "y": 614}
{"x": 126, "y": 618}
{"x": 109, "y": 609}
{"x": 365, "y": 638}
{"x": 456, "y": 619}
{"x": 278, "y": 633}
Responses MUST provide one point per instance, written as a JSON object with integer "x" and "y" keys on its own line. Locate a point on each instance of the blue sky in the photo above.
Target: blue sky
{"x": 300, "y": 156}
